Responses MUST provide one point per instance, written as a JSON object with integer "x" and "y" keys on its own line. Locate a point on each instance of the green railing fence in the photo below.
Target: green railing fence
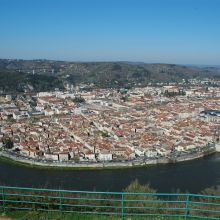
{"x": 120, "y": 204}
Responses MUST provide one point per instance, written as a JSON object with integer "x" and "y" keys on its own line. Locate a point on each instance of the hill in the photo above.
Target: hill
{"x": 43, "y": 75}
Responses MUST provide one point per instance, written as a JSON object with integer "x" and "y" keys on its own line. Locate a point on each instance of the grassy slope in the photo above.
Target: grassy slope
{"x": 61, "y": 216}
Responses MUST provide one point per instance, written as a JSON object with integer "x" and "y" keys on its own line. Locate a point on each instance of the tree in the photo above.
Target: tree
{"x": 135, "y": 186}
{"x": 124, "y": 98}
{"x": 79, "y": 100}
{"x": 104, "y": 133}
{"x": 8, "y": 143}
{"x": 212, "y": 191}
{"x": 144, "y": 199}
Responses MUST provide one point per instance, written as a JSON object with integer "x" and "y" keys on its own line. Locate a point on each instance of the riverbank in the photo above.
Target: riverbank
{"x": 21, "y": 161}
{"x": 164, "y": 178}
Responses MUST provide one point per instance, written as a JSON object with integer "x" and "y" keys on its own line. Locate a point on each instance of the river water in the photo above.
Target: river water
{"x": 191, "y": 176}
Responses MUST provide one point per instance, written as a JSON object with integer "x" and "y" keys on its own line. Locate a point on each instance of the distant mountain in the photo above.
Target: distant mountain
{"x": 49, "y": 74}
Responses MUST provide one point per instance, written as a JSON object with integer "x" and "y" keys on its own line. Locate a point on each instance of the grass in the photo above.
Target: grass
{"x": 34, "y": 215}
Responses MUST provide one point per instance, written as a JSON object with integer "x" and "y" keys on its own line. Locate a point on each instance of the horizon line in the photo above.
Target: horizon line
{"x": 108, "y": 61}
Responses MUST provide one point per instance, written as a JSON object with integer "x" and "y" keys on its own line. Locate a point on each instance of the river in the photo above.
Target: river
{"x": 192, "y": 176}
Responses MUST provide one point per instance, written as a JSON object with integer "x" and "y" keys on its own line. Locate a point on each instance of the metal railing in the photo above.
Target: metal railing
{"x": 120, "y": 204}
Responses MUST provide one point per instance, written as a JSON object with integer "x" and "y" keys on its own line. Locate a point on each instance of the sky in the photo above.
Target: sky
{"x": 151, "y": 31}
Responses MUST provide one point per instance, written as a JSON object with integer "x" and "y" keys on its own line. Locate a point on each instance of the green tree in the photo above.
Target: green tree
{"x": 8, "y": 143}
{"x": 79, "y": 100}
{"x": 104, "y": 133}
{"x": 137, "y": 195}
{"x": 124, "y": 98}
{"x": 135, "y": 186}
{"x": 212, "y": 191}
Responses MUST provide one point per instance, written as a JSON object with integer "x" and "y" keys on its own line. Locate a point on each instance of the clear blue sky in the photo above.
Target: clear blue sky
{"x": 168, "y": 31}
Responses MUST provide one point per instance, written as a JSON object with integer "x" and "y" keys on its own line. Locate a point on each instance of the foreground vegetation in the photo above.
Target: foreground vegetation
{"x": 21, "y": 215}
{"x": 135, "y": 202}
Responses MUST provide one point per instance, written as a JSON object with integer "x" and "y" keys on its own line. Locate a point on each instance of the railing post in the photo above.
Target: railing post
{"x": 187, "y": 206}
{"x": 60, "y": 196}
{"x": 122, "y": 205}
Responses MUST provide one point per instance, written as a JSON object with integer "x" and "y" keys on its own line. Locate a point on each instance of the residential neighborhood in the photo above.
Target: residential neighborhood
{"x": 107, "y": 125}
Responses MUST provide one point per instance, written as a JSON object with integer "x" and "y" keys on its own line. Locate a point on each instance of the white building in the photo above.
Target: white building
{"x": 90, "y": 156}
{"x": 190, "y": 147}
{"x": 150, "y": 153}
{"x": 43, "y": 94}
{"x": 139, "y": 152}
{"x": 105, "y": 156}
{"x": 20, "y": 115}
{"x": 179, "y": 148}
{"x": 163, "y": 152}
{"x": 63, "y": 156}
{"x": 48, "y": 112}
{"x": 50, "y": 156}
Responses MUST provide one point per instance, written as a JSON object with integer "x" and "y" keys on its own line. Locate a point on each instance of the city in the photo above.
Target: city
{"x": 109, "y": 127}
{"x": 110, "y": 110}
